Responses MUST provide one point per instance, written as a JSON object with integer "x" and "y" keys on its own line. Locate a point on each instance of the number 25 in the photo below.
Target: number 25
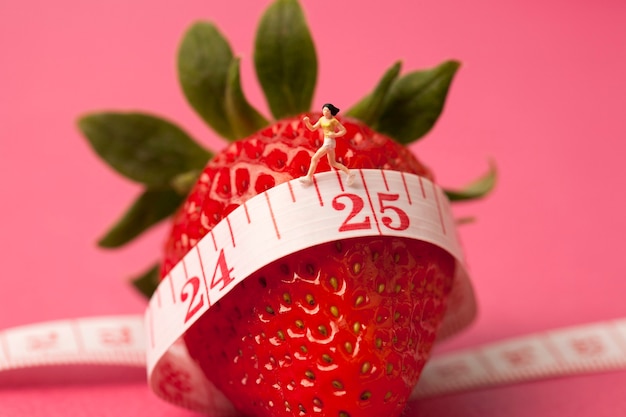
{"x": 357, "y": 206}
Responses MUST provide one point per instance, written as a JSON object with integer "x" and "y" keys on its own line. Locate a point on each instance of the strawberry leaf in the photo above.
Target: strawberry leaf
{"x": 204, "y": 57}
{"x": 183, "y": 183}
{"x": 244, "y": 119}
{"x": 368, "y": 110}
{"x": 414, "y": 103}
{"x": 144, "y": 148}
{"x": 477, "y": 188}
{"x": 285, "y": 59}
{"x": 148, "y": 281}
{"x": 149, "y": 209}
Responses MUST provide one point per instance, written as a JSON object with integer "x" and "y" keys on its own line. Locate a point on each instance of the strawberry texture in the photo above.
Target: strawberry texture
{"x": 341, "y": 329}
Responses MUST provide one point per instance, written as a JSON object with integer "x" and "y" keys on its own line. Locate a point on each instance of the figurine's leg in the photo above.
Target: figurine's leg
{"x": 337, "y": 165}
{"x": 308, "y": 178}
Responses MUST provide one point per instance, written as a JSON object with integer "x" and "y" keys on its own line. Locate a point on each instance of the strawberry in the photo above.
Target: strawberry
{"x": 339, "y": 329}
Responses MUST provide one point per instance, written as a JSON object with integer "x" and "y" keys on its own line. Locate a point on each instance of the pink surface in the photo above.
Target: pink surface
{"x": 541, "y": 90}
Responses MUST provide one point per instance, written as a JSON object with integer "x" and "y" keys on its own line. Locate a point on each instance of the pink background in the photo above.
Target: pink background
{"x": 541, "y": 90}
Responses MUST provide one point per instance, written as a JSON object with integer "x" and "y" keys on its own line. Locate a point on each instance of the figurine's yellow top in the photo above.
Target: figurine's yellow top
{"x": 329, "y": 126}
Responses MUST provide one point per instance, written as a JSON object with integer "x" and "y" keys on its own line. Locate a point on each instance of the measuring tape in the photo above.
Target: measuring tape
{"x": 121, "y": 340}
{"x": 280, "y": 221}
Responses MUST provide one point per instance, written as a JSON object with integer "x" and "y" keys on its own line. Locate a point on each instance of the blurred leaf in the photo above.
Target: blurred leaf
{"x": 143, "y": 148}
{"x": 183, "y": 183}
{"x": 415, "y": 102}
{"x": 285, "y": 59}
{"x": 369, "y": 109}
{"x": 476, "y": 189}
{"x": 204, "y": 57}
{"x": 149, "y": 209}
{"x": 147, "y": 282}
{"x": 244, "y": 119}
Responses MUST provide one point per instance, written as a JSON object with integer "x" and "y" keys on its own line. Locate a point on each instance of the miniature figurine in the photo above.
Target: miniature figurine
{"x": 332, "y": 129}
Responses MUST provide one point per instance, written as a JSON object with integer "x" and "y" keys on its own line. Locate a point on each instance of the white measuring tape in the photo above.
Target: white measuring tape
{"x": 281, "y": 221}
{"x": 121, "y": 340}
{"x": 278, "y": 222}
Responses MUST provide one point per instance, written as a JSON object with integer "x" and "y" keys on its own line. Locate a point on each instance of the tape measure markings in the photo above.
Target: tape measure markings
{"x": 568, "y": 351}
{"x": 293, "y": 197}
{"x": 369, "y": 199}
{"x": 384, "y": 179}
{"x": 269, "y": 205}
{"x": 618, "y": 331}
{"x": 553, "y": 349}
{"x": 214, "y": 266}
{"x": 286, "y": 219}
{"x": 443, "y": 226}
{"x": 319, "y": 194}
{"x": 171, "y": 283}
{"x": 245, "y": 208}
{"x": 80, "y": 343}
{"x": 424, "y": 192}
{"x": 118, "y": 340}
{"x": 99, "y": 340}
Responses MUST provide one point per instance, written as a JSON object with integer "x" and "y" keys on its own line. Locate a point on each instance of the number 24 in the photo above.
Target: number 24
{"x": 223, "y": 274}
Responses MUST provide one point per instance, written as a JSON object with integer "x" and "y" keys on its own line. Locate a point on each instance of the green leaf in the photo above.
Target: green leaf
{"x": 184, "y": 182}
{"x": 244, "y": 119}
{"x": 149, "y": 209}
{"x": 369, "y": 109}
{"x": 477, "y": 188}
{"x": 204, "y": 57}
{"x": 285, "y": 59}
{"x": 148, "y": 281}
{"x": 141, "y": 147}
{"x": 415, "y": 102}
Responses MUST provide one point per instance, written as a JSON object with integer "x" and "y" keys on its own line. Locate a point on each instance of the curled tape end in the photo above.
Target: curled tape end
{"x": 178, "y": 380}
{"x": 462, "y": 307}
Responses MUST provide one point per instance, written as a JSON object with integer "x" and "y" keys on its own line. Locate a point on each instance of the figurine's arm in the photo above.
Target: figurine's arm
{"x": 341, "y": 130}
{"x": 308, "y": 124}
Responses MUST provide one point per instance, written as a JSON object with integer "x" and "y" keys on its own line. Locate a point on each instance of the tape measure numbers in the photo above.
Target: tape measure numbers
{"x": 280, "y": 221}
{"x": 286, "y": 219}
{"x": 283, "y": 220}
{"x": 568, "y": 351}
{"x": 114, "y": 340}
{"x": 120, "y": 340}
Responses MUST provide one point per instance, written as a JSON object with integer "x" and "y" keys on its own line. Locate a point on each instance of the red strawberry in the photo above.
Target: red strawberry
{"x": 340, "y": 329}
{"x": 344, "y": 327}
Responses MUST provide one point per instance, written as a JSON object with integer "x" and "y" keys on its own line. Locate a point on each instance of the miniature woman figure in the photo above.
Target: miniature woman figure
{"x": 332, "y": 129}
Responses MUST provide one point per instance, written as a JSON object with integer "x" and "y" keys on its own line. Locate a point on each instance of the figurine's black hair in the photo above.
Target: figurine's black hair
{"x": 333, "y": 110}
